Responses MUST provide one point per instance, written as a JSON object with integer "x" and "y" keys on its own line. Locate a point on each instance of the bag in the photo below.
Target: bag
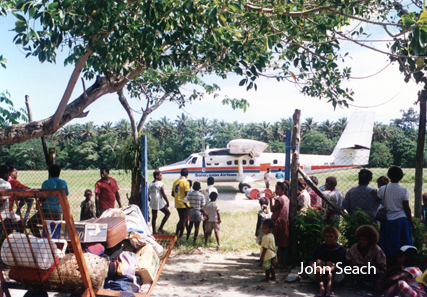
{"x": 381, "y": 214}
{"x": 44, "y": 253}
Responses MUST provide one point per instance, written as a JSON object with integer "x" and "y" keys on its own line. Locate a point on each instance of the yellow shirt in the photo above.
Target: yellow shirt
{"x": 268, "y": 243}
{"x": 179, "y": 188}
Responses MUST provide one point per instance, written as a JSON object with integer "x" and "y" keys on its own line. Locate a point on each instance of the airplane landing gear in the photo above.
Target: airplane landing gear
{"x": 244, "y": 187}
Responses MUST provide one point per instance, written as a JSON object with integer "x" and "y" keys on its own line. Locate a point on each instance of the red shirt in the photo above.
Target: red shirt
{"x": 15, "y": 185}
{"x": 107, "y": 192}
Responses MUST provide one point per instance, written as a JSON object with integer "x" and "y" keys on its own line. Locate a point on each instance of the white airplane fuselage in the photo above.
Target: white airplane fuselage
{"x": 249, "y": 165}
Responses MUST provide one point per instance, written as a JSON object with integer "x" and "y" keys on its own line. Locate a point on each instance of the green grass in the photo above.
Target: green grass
{"x": 237, "y": 232}
{"x": 237, "y": 229}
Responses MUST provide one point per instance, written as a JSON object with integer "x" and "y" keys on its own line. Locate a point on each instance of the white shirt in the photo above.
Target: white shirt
{"x": 5, "y": 214}
{"x": 211, "y": 210}
{"x": 208, "y": 191}
{"x": 393, "y": 202}
{"x": 267, "y": 177}
{"x": 156, "y": 199}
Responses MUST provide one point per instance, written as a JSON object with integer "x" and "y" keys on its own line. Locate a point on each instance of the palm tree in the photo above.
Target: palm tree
{"x": 182, "y": 123}
{"x": 107, "y": 128}
{"x": 340, "y": 125}
{"x": 277, "y": 133}
{"x": 67, "y": 133}
{"x": 380, "y": 132}
{"x": 264, "y": 131}
{"x": 123, "y": 129}
{"x": 309, "y": 125}
{"x": 327, "y": 127}
{"x": 89, "y": 131}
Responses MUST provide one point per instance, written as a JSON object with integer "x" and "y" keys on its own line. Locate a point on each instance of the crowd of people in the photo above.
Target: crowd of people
{"x": 106, "y": 193}
{"x": 386, "y": 257}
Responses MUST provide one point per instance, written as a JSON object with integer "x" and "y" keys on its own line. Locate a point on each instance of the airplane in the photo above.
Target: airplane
{"x": 244, "y": 160}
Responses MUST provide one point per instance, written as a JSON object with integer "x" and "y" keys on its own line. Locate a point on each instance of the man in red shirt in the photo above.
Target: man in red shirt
{"x": 106, "y": 192}
{"x": 13, "y": 180}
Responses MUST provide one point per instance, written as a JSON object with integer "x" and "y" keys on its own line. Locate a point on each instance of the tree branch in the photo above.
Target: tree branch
{"x": 126, "y": 106}
{"x": 69, "y": 90}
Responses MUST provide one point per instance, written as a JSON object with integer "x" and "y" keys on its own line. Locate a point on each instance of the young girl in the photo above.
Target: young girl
{"x": 263, "y": 214}
{"x": 158, "y": 201}
{"x": 401, "y": 279}
{"x": 268, "y": 251}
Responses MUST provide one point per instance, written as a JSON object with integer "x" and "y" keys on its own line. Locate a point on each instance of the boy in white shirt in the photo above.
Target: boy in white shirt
{"x": 213, "y": 220}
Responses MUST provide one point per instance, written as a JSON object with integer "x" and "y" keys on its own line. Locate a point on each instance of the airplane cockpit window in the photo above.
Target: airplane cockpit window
{"x": 194, "y": 160}
{"x": 229, "y": 162}
{"x": 235, "y": 162}
{"x": 244, "y": 162}
{"x": 274, "y": 161}
{"x": 188, "y": 159}
{"x": 251, "y": 162}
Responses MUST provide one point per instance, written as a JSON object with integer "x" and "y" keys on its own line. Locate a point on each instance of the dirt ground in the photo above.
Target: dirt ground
{"x": 212, "y": 273}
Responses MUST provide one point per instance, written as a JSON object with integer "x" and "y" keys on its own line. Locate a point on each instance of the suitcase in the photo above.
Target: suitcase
{"x": 116, "y": 231}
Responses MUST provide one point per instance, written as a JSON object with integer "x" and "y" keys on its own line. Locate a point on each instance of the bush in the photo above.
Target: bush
{"x": 419, "y": 237}
{"x": 308, "y": 233}
{"x": 349, "y": 225}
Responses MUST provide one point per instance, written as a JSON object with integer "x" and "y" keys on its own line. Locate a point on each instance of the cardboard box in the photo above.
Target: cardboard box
{"x": 88, "y": 232}
{"x": 148, "y": 264}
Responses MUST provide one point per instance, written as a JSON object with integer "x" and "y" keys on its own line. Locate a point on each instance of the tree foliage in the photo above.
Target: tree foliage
{"x": 170, "y": 141}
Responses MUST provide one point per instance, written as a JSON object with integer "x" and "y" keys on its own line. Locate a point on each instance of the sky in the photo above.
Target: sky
{"x": 385, "y": 93}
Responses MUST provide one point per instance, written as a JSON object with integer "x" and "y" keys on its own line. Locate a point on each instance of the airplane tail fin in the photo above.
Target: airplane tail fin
{"x": 353, "y": 147}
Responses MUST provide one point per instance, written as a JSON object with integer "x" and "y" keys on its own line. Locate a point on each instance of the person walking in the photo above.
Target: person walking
{"x": 106, "y": 192}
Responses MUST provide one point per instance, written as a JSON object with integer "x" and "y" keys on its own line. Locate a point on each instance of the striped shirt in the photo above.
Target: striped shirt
{"x": 196, "y": 199}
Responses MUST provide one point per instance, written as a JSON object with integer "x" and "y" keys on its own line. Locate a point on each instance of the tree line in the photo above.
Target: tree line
{"x": 88, "y": 146}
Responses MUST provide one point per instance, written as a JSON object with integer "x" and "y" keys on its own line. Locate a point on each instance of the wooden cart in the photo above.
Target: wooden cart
{"x": 34, "y": 278}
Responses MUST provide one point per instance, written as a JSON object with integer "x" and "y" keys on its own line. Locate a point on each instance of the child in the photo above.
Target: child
{"x": 197, "y": 201}
{"x": 86, "y": 207}
{"x": 213, "y": 220}
{"x": 268, "y": 251}
{"x": 401, "y": 279}
{"x": 263, "y": 214}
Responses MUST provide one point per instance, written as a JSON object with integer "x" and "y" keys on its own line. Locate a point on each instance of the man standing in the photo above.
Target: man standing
{"x": 362, "y": 196}
{"x": 180, "y": 189}
{"x": 106, "y": 192}
{"x": 50, "y": 206}
{"x": 279, "y": 176}
{"x": 267, "y": 178}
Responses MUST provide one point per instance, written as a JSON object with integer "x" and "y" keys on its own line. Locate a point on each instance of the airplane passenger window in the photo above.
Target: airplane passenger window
{"x": 235, "y": 162}
{"x": 251, "y": 162}
{"x": 216, "y": 164}
{"x": 209, "y": 164}
{"x": 194, "y": 160}
{"x": 244, "y": 162}
{"x": 229, "y": 162}
{"x": 274, "y": 161}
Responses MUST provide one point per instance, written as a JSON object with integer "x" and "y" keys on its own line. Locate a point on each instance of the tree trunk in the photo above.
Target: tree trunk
{"x": 135, "y": 195}
{"x": 294, "y": 178}
{"x": 419, "y": 159}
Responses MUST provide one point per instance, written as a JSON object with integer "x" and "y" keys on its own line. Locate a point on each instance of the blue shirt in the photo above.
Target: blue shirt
{"x": 279, "y": 175}
{"x": 52, "y": 202}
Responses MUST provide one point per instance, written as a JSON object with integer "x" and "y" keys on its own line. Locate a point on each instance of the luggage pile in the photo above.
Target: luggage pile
{"x": 118, "y": 248}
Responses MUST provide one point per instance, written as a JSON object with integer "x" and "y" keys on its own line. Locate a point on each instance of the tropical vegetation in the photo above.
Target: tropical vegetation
{"x": 88, "y": 146}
